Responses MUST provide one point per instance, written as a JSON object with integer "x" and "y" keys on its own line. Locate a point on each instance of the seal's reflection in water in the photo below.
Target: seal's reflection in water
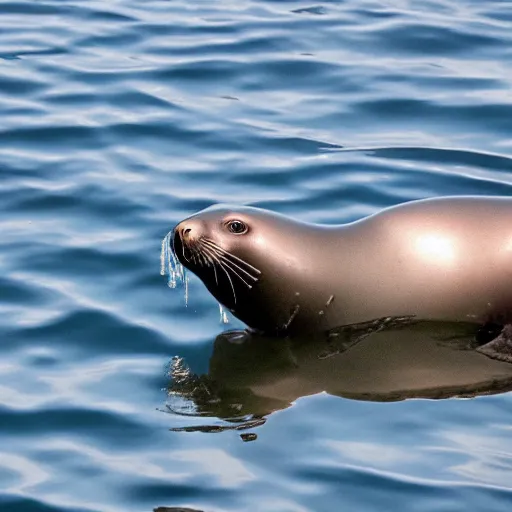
{"x": 252, "y": 376}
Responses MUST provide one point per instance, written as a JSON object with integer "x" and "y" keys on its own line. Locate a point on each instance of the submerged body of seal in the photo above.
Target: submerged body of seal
{"x": 444, "y": 259}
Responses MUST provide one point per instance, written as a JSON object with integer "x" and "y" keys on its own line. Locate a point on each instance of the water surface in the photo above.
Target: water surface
{"x": 120, "y": 118}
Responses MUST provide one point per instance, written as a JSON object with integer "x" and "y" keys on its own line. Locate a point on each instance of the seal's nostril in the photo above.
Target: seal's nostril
{"x": 185, "y": 232}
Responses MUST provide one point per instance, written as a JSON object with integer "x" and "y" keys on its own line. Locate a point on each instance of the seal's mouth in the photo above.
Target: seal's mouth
{"x": 188, "y": 250}
{"x": 180, "y": 250}
{"x": 218, "y": 268}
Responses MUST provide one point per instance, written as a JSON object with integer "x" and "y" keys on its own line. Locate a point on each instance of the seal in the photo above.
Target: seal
{"x": 445, "y": 258}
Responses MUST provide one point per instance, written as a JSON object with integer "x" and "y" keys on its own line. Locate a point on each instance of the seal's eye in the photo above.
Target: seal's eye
{"x": 237, "y": 227}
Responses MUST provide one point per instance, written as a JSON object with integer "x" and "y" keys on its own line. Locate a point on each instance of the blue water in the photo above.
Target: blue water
{"x": 120, "y": 118}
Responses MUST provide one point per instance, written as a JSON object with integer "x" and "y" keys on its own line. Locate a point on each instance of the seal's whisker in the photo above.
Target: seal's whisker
{"x": 202, "y": 257}
{"x": 197, "y": 255}
{"x": 213, "y": 260}
{"x": 229, "y": 267}
{"x": 227, "y": 264}
{"x": 215, "y": 274}
{"x": 183, "y": 251}
{"x": 212, "y": 244}
{"x": 224, "y": 258}
{"x": 239, "y": 262}
{"x": 230, "y": 281}
{"x": 208, "y": 261}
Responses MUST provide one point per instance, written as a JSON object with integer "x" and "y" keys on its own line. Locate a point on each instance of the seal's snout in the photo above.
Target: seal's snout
{"x": 183, "y": 232}
{"x": 187, "y": 231}
{"x": 184, "y": 240}
{"x": 175, "y": 239}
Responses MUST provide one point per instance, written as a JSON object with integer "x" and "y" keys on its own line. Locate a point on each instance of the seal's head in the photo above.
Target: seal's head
{"x": 253, "y": 261}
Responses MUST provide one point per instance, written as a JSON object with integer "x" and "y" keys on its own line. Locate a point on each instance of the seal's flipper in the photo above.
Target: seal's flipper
{"x": 499, "y": 348}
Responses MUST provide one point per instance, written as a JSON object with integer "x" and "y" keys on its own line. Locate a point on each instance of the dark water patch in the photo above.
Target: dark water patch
{"x": 175, "y": 509}
{"x": 314, "y": 9}
{"x": 75, "y": 136}
{"x": 375, "y": 486}
{"x": 438, "y": 40}
{"x": 499, "y": 12}
{"x": 98, "y": 331}
{"x": 90, "y": 260}
{"x": 448, "y": 156}
{"x": 87, "y": 423}
{"x": 152, "y": 492}
{"x": 69, "y": 98}
{"x": 301, "y": 70}
{"x": 23, "y": 8}
{"x": 162, "y": 130}
{"x": 107, "y": 15}
{"x": 139, "y": 100}
{"x": 213, "y": 70}
{"x": 293, "y": 145}
{"x": 43, "y": 361}
{"x": 265, "y": 177}
{"x": 21, "y": 504}
{"x": 16, "y": 292}
{"x": 48, "y": 205}
{"x": 33, "y": 53}
{"x": 10, "y": 85}
{"x": 469, "y": 116}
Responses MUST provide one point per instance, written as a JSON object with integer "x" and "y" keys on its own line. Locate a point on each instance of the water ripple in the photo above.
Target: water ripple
{"x": 121, "y": 118}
